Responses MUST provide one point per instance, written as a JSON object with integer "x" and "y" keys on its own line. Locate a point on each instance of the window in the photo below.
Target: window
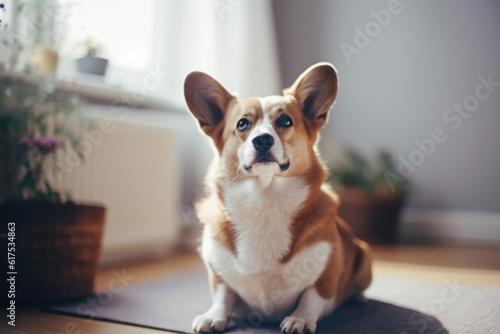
{"x": 123, "y": 28}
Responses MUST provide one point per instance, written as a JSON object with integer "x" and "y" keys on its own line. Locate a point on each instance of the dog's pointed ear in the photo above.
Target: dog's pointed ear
{"x": 207, "y": 99}
{"x": 315, "y": 91}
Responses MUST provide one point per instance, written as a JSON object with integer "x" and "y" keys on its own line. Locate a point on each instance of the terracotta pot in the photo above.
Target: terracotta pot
{"x": 373, "y": 218}
{"x": 385, "y": 217}
{"x": 57, "y": 248}
{"x": 44, "y": 60}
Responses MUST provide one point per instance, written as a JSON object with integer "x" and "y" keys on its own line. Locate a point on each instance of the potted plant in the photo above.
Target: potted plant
{"x": 371, "y": 195}
{"x": 53, "y": 244}
{"x": 91, "y": 64}
{"x": 44, "y": 29}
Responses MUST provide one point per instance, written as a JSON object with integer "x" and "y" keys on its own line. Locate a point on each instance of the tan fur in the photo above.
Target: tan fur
{"x": 348, "y": 269}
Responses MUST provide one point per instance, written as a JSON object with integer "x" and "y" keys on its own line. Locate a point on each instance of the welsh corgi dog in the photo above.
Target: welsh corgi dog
{"x": 273, "y": 244}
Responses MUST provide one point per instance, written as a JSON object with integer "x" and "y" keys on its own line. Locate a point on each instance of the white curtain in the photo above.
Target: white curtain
{"x": 232, "y": 40}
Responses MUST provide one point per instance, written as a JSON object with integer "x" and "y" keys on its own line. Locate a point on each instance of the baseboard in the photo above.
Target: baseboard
{"x": 135, "y": 254}
{"x": 462, "y": 227}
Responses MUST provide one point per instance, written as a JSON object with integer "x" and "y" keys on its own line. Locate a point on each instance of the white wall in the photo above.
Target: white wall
{"x": 397, "y": 88}
{"x": 133, "y": 167}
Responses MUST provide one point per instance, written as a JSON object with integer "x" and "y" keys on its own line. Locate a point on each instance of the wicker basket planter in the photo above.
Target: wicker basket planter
{"x": 57, "y": 249}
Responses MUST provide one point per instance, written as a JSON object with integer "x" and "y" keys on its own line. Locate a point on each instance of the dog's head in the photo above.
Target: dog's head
{"x": 274, "y": 135}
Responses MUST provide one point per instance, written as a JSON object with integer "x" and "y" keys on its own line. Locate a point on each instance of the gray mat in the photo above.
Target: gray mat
{"x": 394, "y": 306}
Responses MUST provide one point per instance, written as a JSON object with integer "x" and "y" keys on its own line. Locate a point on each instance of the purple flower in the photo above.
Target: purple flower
{"x": 46, "y": 144}
{"x": 27, "y": 142}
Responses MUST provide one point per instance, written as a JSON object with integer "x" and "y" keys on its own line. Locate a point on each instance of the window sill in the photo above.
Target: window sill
{"x": 100, "y": 92}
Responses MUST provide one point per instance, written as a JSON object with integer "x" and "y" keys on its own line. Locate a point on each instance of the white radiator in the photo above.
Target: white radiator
{"x": 134, "y": 170}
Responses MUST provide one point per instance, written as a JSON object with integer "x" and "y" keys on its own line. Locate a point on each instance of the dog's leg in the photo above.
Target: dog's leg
{"x": 303, "y": 319}
{"x": 215, "y": 319}
{"x": 360, "y": 298}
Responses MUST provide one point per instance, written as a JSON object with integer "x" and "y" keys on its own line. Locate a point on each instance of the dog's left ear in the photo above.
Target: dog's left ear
{"x": 315, "y": 90}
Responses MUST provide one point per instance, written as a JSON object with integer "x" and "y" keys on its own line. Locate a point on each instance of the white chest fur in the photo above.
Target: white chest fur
{"x": 261, "y": 219}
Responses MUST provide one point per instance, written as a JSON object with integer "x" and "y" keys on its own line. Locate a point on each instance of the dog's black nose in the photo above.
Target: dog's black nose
{"x": 263, "y": 142}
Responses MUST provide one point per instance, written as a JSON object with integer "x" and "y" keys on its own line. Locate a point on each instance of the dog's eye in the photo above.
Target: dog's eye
{"x": 284, "y": 121}
{"x": 243, "y": 125}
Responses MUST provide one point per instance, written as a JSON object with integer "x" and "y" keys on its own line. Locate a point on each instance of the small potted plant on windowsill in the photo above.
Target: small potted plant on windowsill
{"x": 91, "y": 63}
{"x": 371, "y": 195}
{"x": 54, "y": 243}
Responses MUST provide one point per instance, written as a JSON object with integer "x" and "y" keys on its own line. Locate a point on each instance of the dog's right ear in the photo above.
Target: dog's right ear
{"x": 207, "y": 99}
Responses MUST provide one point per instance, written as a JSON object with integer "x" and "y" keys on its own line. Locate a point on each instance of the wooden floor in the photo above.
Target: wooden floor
{"x": 476, "y": 266}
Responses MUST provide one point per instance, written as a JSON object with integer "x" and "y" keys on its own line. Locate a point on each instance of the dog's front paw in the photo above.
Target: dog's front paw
{"x": 207, "y": 323}
{"x": 297, "y": 325}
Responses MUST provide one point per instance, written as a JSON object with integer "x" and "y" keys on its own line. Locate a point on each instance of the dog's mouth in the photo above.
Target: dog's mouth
{"x": 267, "y": 159}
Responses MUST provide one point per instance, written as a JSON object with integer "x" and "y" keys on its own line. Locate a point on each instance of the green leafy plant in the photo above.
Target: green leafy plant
{"x": 47, "y": 22}
{"x": 37, "y": 122}
{"x": 352, "y": 170}
{"x": 91, "y": 47}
